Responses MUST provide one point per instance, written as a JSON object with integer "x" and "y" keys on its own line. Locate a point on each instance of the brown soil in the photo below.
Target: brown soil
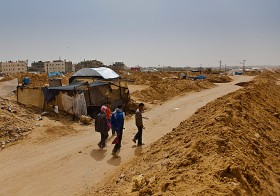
{"x": 53, "y": 132}
{"x": 37, "y": 80}
{"x": 16, "y": 121}
{"x": 163, "y": 90}
{"x": 229, "y": 147}
{"x": 216, "y": 78}
{"x": 63, "y": 154}
{"x": 165, "y": 85}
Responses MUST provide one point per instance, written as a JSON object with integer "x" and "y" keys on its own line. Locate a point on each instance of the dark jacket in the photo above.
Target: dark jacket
{"x": 101, "y": 123}
{"x": 138, "y": 118}
{"x": 117, "y": 120}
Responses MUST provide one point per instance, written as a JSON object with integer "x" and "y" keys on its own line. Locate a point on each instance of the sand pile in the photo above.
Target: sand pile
{"x": 165, "y": 89}
{"x": 216, "y": 78}
{"x": 231, "y": 147}
{"x": 15, "y": 121}
{"x": 50, "y": 133}
{"x": 7, "y": 78}
{"x": 37, "y": 80}
{"x": 165, "y": 85}
{"x": 146, "y": 78}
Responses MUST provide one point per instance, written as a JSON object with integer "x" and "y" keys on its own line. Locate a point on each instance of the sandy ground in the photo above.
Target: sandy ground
{"x": 71, "y": 164}
{"x": 7, "y": 87}
{"x": 230, "y": 146}
{"x": 133, "y": 87}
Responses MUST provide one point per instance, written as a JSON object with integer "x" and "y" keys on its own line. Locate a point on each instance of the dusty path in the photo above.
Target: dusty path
{"x": 70, "y": 165}
{"x": 7, "y": 87}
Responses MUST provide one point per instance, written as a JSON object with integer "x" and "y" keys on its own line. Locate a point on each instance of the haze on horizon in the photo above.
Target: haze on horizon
{"x": 144, "y": 33}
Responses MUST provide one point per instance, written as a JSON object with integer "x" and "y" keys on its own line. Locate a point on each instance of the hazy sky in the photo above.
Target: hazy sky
{"x": 143, "y": 32}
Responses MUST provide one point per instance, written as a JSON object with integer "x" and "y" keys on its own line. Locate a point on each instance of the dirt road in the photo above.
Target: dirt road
{"x": 71, "y": 164}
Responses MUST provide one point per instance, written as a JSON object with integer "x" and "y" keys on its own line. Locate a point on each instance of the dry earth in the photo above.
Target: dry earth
{"x": 231, "y": 146}
{"x": 36, "y": 80}
{"x": 162, "y": 86}
{"x": 61, "y": 157}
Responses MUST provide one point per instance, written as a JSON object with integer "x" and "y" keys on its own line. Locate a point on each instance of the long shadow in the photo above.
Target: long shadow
{"x": 115, "y": 161}
{"x": 98, "y": 154}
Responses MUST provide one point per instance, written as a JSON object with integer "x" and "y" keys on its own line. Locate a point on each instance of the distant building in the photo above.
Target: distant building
{"x": 11, "y": 67}
{"x": 68, "y": 67}
{"x": 58, "y": 66}
{"x": 135, "y": 69}
{"x": 38, "y": 66}
{"x": 118, "y": 66}
{"x": 88, "y": 64}
{"x": 74, "y": 67}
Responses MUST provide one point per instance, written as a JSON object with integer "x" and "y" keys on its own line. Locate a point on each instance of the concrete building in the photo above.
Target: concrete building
{"x": 118, "y": 66}
{"x": 11, "y": 67}
{"x": 38, "y": 66}
{"x": 88, "y": 64}
{"x": 58, "y": 65}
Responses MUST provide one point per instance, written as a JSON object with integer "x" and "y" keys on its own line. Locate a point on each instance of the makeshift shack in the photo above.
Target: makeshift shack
{"x": 88, "y": 90}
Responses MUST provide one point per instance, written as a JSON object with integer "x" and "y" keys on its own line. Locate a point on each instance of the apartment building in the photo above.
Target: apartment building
{"x": 58, "y": 65}
{"x": 38, "y": 66}
{"x": 11, "y": 67}
{"x": 88, "y": 64}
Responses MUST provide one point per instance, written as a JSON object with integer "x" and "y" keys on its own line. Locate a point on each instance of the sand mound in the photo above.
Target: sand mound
{"x": 216, "y": 78}
{"x": 54, "y": 132}
{"x": 15, "y": 121}
{"x": 231, "y": 147}
{"x": 37, "y": 80}
{"x": 7, "y": 78}
{"x": 168, "y": 88}
{"x": 164, "y": 86}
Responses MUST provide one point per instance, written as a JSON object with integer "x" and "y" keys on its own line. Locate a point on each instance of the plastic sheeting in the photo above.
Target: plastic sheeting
{"x": 104, "y": 72}
{"x": 56, "y": 73}
{"x": 70, "y": 87}
{"x": 79, "y": 105}
{"x": 74, "y": 105}
{"x": 67, "y": 103}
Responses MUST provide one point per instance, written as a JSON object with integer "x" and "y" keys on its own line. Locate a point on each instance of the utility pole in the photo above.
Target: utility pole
{"x": 220, "y": 65}
{"x": 243, "y": 65}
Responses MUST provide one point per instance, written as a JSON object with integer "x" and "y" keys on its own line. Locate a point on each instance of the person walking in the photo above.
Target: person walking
{"x": 101, "y": 126}
{"x": 117, "y": 120}
{"x": 108, "y": 110}
{"x": 108, "y": 115}
{"x": 139, "y": 124}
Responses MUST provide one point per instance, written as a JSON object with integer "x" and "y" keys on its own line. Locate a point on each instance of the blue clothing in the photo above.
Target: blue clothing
{"x": 117, "y": 120}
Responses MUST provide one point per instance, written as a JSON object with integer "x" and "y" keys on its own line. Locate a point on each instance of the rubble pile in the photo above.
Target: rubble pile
{"x": 231, "y": 146}
{"x": 16, "y": 121}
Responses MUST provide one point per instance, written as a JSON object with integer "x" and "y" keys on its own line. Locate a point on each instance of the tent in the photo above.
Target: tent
{"x": 100, "y": 72}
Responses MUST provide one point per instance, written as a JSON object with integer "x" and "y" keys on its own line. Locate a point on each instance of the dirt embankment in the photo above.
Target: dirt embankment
{"x": 16, "y": 121}
{"x": 160, "y": 91}
{"x": 165, "y": 85}
{"x": 230, "y": 146}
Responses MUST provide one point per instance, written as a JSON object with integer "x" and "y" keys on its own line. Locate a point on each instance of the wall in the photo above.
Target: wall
{"x": 35, "y": 97}
{"x": 30, "y": 96}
